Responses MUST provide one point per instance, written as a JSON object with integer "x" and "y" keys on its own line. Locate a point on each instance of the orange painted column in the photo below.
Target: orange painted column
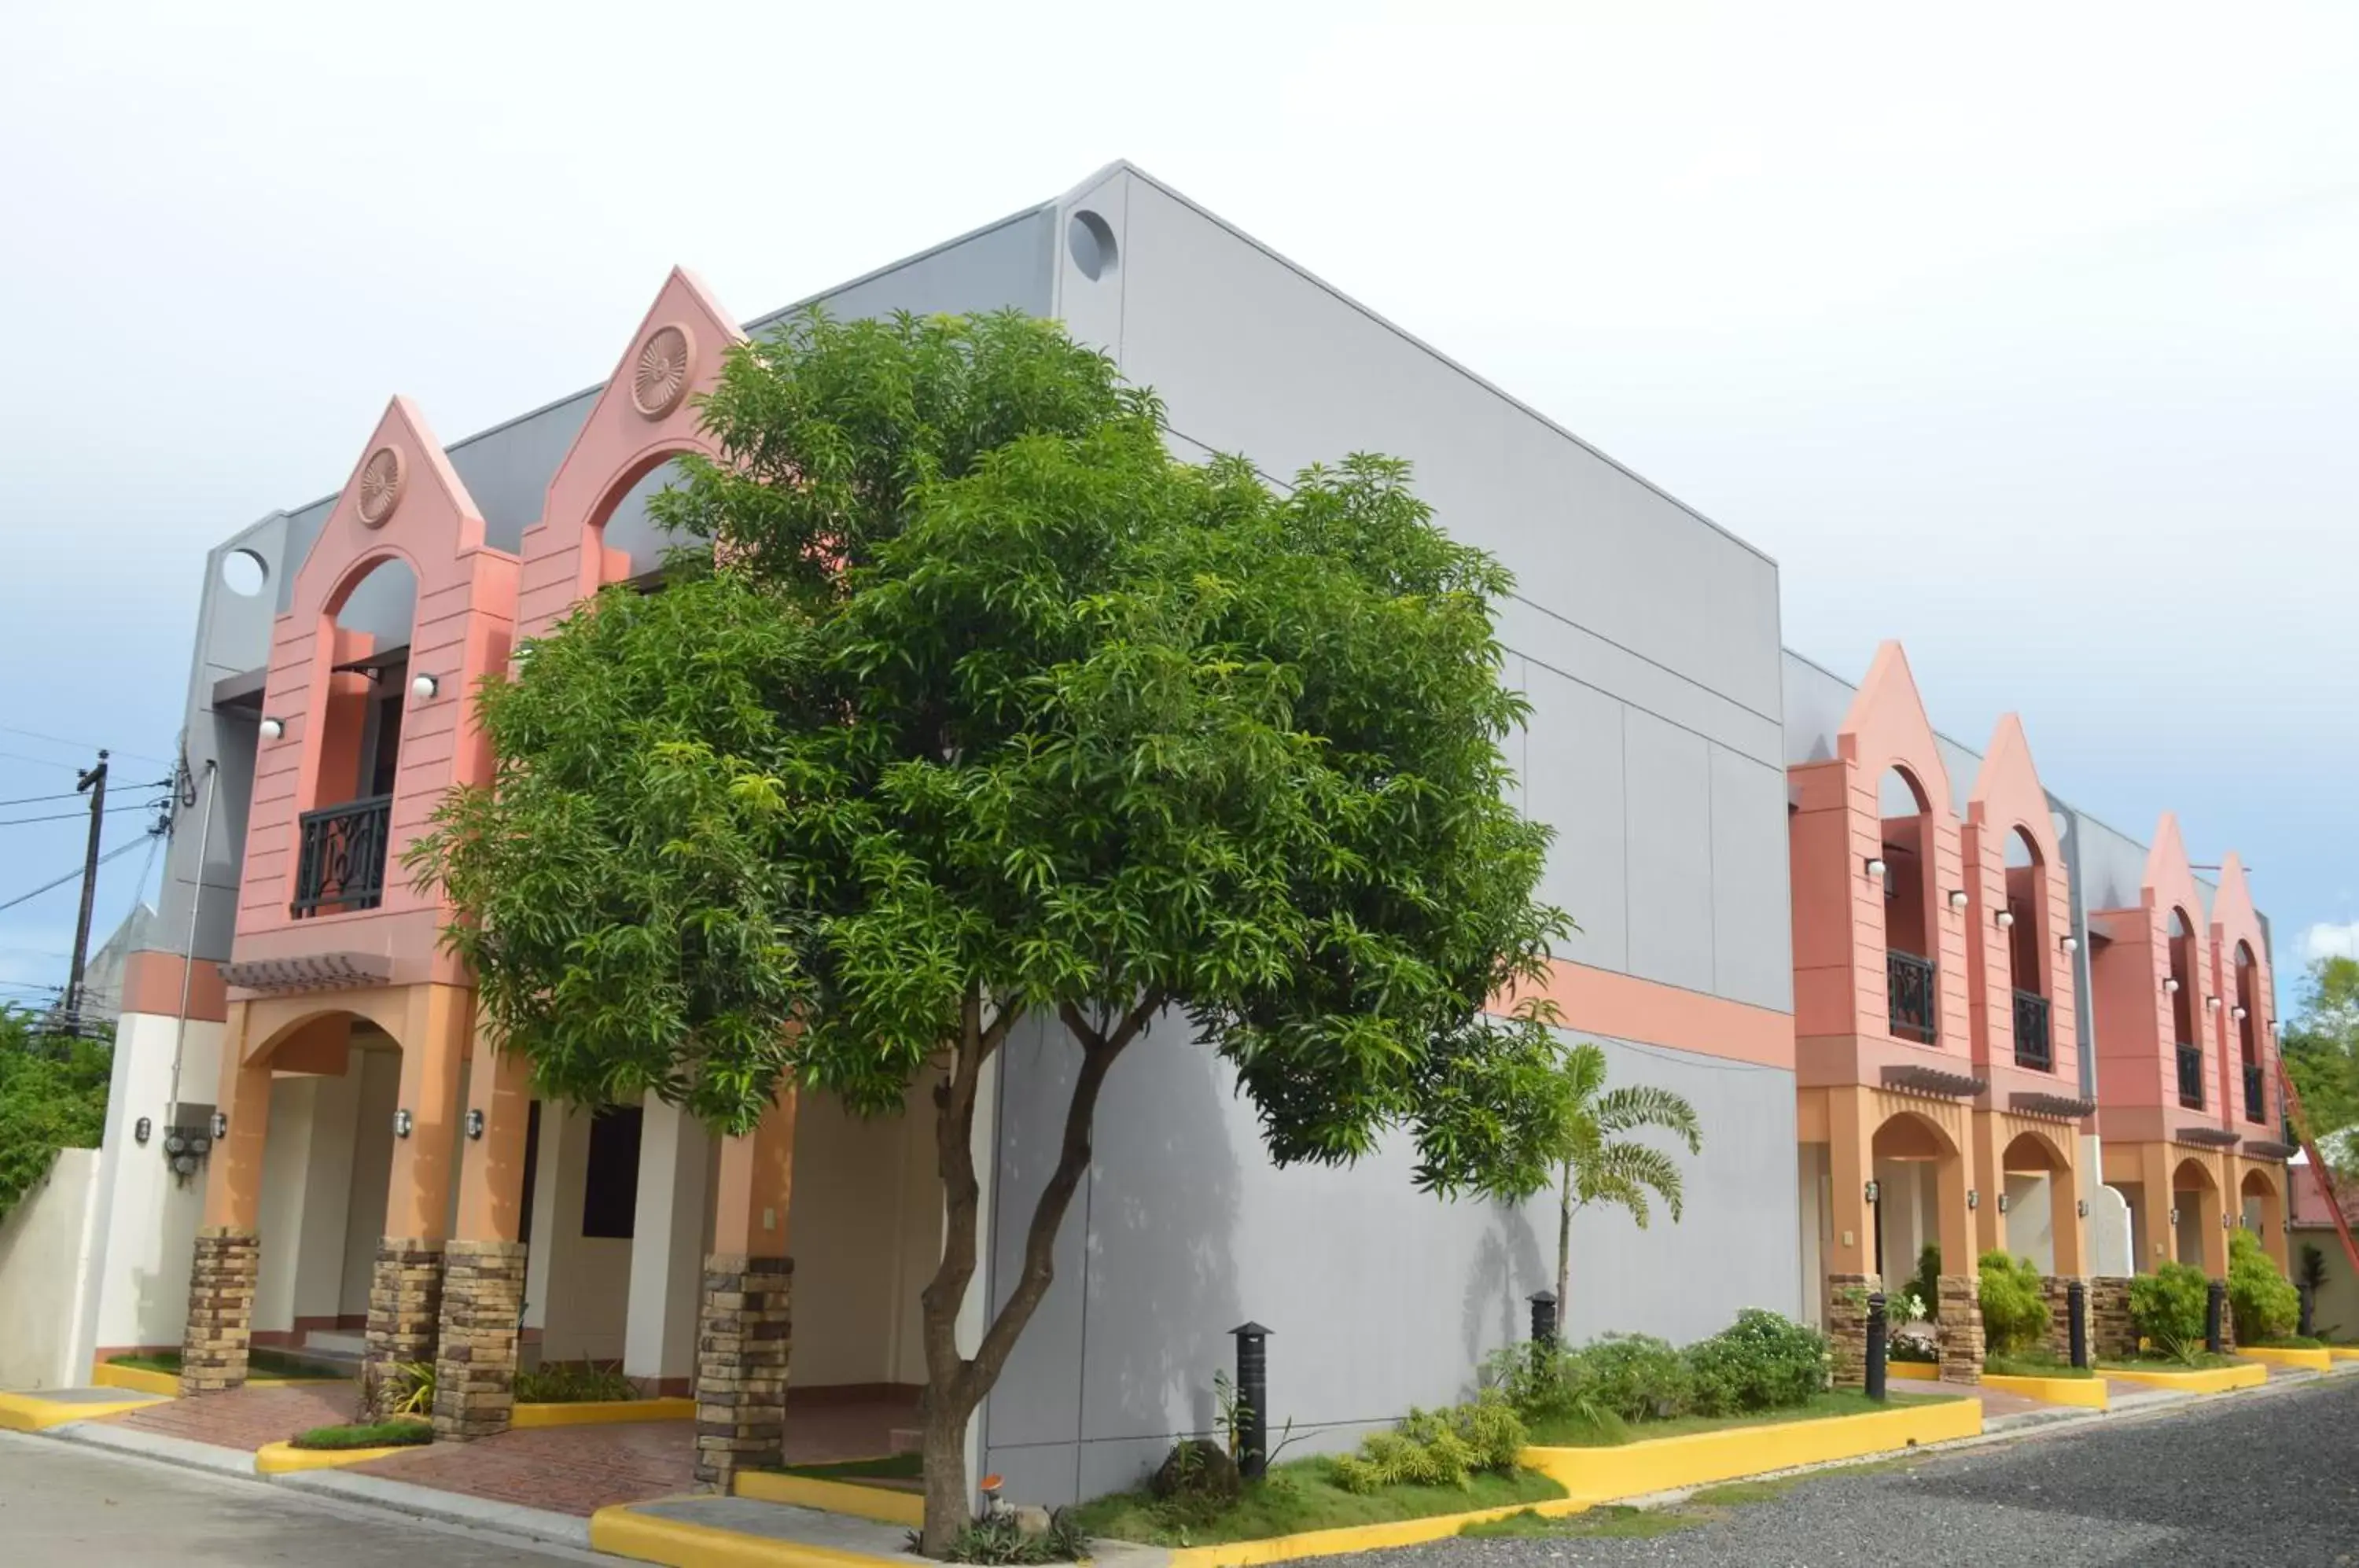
{"x": 1956, "y": 1223}
{"x": 2156, "y": 1201}
{"x": 744, "y": 1325}
{"x": 434, "y": 1045}
{"x": 1989, "y": 1179}
{"x": 758, "y": 1178}
{"x": 484, "y": 1263}
{"x": 490, "y": 1174}
{"x": 234, "y": 1169}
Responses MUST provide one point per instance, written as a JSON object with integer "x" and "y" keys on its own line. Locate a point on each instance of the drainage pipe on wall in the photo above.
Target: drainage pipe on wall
{"x": 189, "y": 949}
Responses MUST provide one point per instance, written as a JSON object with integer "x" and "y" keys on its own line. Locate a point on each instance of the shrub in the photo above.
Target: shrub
{"x": 1436, "y": 1448}
{"x": 1927, "y": 1286}
{"x": 2263, "y": 1303}
{"x": 366, "y": 1434}
{"x": 1198, "y": 1471}
{"x": 2168, "y": 1307}
{"x": 1915, "y": 1344}
{"x": 1633, "y": 1375}
{"x": 1762, "y": 1362}
{"x": 573, "y": 1383}
{"x": 1001, "y": 1538}
{"x": 2015, "y": 1312}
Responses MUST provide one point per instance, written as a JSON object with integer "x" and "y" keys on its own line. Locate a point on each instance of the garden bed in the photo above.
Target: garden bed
{"x": 1562, "y": 1431}
{"x": 262, "y": 1366}
{"x": 1299, "y": 1496}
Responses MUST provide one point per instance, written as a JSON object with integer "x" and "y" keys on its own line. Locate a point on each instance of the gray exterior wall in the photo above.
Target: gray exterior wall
{"x": 1647, "y": 640}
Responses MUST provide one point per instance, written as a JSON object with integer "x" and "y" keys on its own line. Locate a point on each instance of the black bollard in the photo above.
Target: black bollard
{"x": 2216, "y": 1301}
{"x": 1876, "y": 1346}
{"x": 2076, "y": 1316}
{"x": 1543, "y": 1317}
{"x": 1252, "y": 1398}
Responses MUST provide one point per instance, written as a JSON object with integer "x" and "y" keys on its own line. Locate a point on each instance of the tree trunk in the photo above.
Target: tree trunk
{"x": 955, "y": 1385}
{"x": 1564, "y": 1254}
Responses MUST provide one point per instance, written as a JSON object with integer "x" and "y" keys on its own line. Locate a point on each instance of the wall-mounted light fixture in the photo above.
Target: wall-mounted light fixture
{"x": 2005, "y": 918}
{"x": 2002, "y": 1203}
{"x": 221, "y": 1126}
{"x": 474, "y": 1122}
{"x": 273, "y": 728}
{"x": 424, "y": 686}
{"x": 2170, "y": 986}
{"x": 1958, "y": 901}
{"x": 1974, "y": 1199}
{"x": 2223, "y": 1221}
{"x": 1874, "y": 1192}
{"x": 2237, "y": 1012}
{"x": 2082, "y": 1208}
{"x": 142, "y": 1129}
{"x": 2210, "y": 1004}
{"x": 2071, "y": 944}
{"x": 1875, "y": 866}
{"x": 401, "y": 1123}
{"x": 2174, "y": 1218}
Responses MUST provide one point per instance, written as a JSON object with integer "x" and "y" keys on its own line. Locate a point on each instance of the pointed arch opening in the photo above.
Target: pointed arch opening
{"x": 2023, "y": 920}
{"x": 354, "y": 763}
{"x": 1905, "y": 813}
{"x": 2246, "y": 1014}
{"x": 2181, "y": 987}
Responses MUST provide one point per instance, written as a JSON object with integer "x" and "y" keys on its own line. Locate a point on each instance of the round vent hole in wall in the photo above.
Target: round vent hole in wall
{"x": 1090, "y": 240}
{"x": 243, "y": 572}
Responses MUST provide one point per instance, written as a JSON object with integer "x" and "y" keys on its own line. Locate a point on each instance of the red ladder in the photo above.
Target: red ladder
{"x": 2325, "y": 1172}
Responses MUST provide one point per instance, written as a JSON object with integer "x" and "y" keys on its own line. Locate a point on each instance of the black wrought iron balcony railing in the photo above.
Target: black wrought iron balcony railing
{"x": 341, "y": 866}
{"x": 2256, "y": 1099}
{"x": 2190, "y": 1076}
{"x": 2032, "y": 1045}
{"x": 1916, "y": 1012}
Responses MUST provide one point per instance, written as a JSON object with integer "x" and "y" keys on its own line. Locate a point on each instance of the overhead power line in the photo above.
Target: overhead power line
{"x": 77, "y": 816}
{"x": 113, "y": 854}
{"x": 36, "y": 800}
{"x": 81, "y": 744}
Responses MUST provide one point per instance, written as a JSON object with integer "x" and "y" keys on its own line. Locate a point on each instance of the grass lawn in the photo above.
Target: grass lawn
{"x": 891, "y": 1468}
{"x": 373, "y": 1434}
{"x": 2034, "y": 1366}
{"x": 1297, "y": 1496}
{"x": 2201, "y": 1361}
{"x": 261, "y": 1363}
{"x": 2289, "y": 1341}
{"x": 1570, "y": 1432}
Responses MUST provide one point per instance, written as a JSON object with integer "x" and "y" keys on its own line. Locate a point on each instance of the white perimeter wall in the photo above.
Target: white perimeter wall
{"x": 44, "y": 1269}
{"x": 146, "y": 1216}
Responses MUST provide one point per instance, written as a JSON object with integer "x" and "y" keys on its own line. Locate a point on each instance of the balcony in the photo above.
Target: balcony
{"x": 340, "y": 867}
{"x": 2190, "y": 1076}
{"x": 2257, "y": 1100}
{"x": 1916, "y": 1003}
{"x": 2033, "y": 1048}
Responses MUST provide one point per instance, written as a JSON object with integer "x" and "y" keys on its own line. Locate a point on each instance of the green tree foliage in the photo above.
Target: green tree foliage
{"x": 2321, "y": 1047}
{"x": 1595, "y": 1164}
{"x": 2261, "y": 1301}
{"x": 2015, "y": 1312}
{"x": 52, "y": 1096}
{"x": 992, "y": 714}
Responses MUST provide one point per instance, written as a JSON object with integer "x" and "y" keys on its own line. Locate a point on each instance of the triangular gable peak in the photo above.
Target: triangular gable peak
{"x": 2169, "y": 881}
{"x": 645, "y": 415}
{"x": 1886, "y": 727}
{"x": 2007, "y": 792}
{"x": 403, "y": 502}
{"x": 2233, "y": 917}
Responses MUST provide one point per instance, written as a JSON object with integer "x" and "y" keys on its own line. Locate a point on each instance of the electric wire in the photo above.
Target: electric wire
{"x": 77, "y": 816}
{"x": 84, "y": 745}
{"x": 114, "y": 854}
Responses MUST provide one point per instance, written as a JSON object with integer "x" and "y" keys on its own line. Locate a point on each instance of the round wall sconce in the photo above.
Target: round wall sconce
{"x": 424, "y": 686}
{"x": 2005, "y": 918}
{"x": 221, "y": 1126}
{"x": 2210, "y": 1004}
{"x": 1875, "y": 866}
{"x": 2002, "y": 1203}
{"x": 1958, "y": 901}
{"x": 1874, "y": 1192}
{"x": 2170, "y": 986}
{"x": 142, "y": 1129}
{"x": 1974, "y": 1199}
{"x": 474, "y": 1122}
{"x": 2238, "y": 1013}
{"x": 401, "y": 1123}
{"x": 2071, "y": 944}
{"x": 273, "y": 728}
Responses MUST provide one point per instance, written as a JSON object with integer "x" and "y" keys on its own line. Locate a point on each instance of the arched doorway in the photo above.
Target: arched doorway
{"x": 2195, "y": 1216}
{"x": 1920, "y": 1182}
{"x": 2039, "y": 1217}
{"x": 2262, "y": 1210}
{"x": 1910, "y": 921}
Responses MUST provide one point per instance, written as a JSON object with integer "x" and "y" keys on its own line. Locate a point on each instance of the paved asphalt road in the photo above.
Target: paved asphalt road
{"x": 2260, "y": 1479}
{"x": 67, "y": 1507}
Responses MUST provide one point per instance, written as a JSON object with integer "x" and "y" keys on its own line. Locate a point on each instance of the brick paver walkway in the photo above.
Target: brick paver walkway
{"x": 246, "y": 1418}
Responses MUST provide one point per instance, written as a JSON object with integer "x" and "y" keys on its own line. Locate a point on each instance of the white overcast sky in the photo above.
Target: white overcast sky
{"x": 2026, "y": 333}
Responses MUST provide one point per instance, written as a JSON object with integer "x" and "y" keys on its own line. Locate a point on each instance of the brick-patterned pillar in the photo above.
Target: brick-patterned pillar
{"x": 1847, "y": 1325}
{"x": 474, "y": 1368}
{"x": 221, "y": 1309}
{"x": 2113, "y": 1336}
{"x": 2055, "y": 1289}
{"x": 404, "y": 1318}
{"x": 1961, "y": 1320}
{"x": 743, "y": 1335}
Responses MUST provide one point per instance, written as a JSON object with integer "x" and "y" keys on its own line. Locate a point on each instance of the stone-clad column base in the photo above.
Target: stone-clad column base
{"x": 2113, "y": 1336}
{"x": 1847, "y": 1325}
{"x": 2056, "y": 1291}
{"x": 222, "y": 1273}
{"x": 743, "y": 1335}
{"x": 404, "y": 1320}
{"x": 1961, "y": 1321}
{"x": 475, "y": 1365}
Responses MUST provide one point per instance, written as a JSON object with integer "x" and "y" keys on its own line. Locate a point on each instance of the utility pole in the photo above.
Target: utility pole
{"x": 94, "y": 781}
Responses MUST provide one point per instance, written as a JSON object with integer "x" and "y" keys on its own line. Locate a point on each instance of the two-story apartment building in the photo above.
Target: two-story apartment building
{"x": 1862, "y": 951}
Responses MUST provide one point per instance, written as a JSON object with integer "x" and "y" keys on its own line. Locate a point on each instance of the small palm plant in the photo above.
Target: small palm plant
{"x": 1598, "y": 1165}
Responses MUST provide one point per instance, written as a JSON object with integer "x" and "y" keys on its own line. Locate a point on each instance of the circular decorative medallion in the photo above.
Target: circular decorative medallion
{"x": 659, "y": 378}
{"x": 380, "y": 489}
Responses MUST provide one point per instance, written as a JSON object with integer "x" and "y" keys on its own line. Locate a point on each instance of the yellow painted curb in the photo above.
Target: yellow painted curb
{"x": 886, "y": 1504}
{"x": 285, "y": 1458}
{"x": 1696, "y": 1459}
{"x": 2196, "y": 1380}
{"x": 643, "y": 1538}
{"x": 136, "y": 1378}
{"x": 2343, "y": 1352}
{"x": 2269, "y": 1355}
{"x": 30, "y": 1412}
{"x": 1360, "y": 1537}
{"x": 1915, "y": 1371}
{"x": 2089, "y": 1392}
{"x": 604, "y": 1413}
